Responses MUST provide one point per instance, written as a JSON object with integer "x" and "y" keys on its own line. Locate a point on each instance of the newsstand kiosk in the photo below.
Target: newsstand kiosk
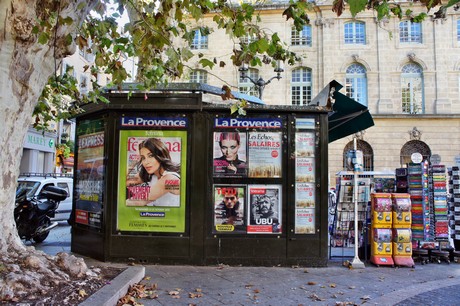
{"x": 166, "y": 177}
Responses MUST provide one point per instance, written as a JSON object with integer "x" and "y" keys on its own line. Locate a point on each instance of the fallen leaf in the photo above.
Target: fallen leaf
{"x": 366, "y": 297}
{"x": 82, "y": 293}
{"x": 314, "y": 297}
{"x": 198, "y": 290}
{"x": 248, "y": 286}
{"x": 332, "y": 285}
{"x": 311, "y": 283}
{"x": 256, "y": 291}
{"x": 147, "y": 277}
{"x": 173, "y": 292}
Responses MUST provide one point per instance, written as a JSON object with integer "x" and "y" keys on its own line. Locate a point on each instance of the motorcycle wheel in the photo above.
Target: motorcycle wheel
{"x": 40, "y": 238}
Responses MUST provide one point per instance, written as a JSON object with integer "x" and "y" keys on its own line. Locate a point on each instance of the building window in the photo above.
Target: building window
{"x": 200, "y": 41}
{"x": 356, "y": 83}
{"x": 199, "y": 76}
{"x": 412, "y": 89}
{"x": 301, "y": 38}
{"x": 414, "y": 146}
{"x": 410, "y": 32}
{"x": 246, "y": 86}
{"x": 458, "y": 30}
{"x": 355, "y": 33}
{"x": 368, "y": 154}
{"x": 247, "y": 39}
{"x": 301, "y": 86}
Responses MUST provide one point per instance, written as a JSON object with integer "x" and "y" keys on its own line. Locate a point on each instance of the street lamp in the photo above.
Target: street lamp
{"x": 261, "y": 83}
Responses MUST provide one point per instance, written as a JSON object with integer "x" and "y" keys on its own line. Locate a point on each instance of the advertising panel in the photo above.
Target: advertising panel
{"x": 229, "y": 212}
{"x": 151, "y": 195}
{"x": 305, "y": 176}
{"x": 89, "y": 175}
{"x": 265, "y": 154}
{"x": 264, "y": 204}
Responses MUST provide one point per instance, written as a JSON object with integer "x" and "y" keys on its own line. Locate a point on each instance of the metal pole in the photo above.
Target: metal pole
{"x": 357, "y": 263}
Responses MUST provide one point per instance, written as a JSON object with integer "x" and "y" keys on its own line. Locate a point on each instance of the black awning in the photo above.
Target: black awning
{"x": 346, "y": 116}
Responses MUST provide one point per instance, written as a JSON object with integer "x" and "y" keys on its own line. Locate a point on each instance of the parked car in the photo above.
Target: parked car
{"x": 35, "y": 183}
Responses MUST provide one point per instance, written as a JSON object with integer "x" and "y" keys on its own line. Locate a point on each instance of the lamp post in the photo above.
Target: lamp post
{"x": 261, "y": 83}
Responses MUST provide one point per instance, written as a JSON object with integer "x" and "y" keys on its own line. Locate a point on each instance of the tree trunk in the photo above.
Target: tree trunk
{"x": 25, "y": 66}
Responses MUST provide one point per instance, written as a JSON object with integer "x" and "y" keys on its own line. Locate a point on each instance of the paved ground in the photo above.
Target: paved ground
{"x": 431, "y": 284}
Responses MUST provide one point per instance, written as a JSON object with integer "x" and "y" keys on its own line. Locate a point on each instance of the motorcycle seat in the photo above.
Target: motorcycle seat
{"x": 46, "y": 206}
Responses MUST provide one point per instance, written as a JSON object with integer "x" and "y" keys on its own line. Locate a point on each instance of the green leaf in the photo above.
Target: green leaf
{"x": 357, "y": 6}
{"x": 43, "y": 38}
{"x": 206, "y": 63}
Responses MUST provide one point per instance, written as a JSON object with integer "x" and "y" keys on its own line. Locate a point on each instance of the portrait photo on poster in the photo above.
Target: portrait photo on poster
{"x": 153, "y": 171}
{"x": 229, "y": 202}
{"x": 230, "y": 154}
{"x": 264, "y": 204}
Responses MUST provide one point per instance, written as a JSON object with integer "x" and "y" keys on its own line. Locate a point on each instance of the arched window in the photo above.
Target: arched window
{"x": 246, "y": 86}
{"x": 414, "y": 146}
{"x": 199, "y": 76}
{"x": 301, "y": 86}
{"x": 368, "y": 154}
{"x": 301, "y": 38}
{"x": 356, "y": 83}
{"x": 412, "y": 95}
{"x": 200, "y": 41}
{"x": 410, "y": 32}
{"x": 355, "y": 33}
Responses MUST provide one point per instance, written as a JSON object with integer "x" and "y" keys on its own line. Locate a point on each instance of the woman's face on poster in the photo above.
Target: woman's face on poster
{"x": 148, "y": 160}
{"x": 229, "y": 149}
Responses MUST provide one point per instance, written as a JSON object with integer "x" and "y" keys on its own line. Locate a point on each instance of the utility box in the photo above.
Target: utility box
{"x": 171, "y": 177}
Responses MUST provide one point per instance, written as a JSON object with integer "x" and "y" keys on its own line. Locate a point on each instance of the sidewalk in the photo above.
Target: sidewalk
{"x": 431, "y": 284}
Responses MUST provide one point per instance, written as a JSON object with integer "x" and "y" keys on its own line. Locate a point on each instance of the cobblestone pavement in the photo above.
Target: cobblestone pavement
{"x": 332, "y": 285}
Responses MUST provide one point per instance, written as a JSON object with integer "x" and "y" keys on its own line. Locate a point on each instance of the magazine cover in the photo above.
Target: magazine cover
{"x": 265, "y": 154}
{"x": 229, "y": 202}
{"x": 230, "y": 154}
{"x": 305, "y": 195}
{"x": 264, "y": 204}
{"x": 305, "y": 170}
{"x": 305, "y": 221}
{"x": 151, "y": 191}
{"x": 305, "y": 144}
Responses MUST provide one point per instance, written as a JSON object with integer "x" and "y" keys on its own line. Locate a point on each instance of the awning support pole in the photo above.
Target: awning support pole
{"x": 356, "y": 263}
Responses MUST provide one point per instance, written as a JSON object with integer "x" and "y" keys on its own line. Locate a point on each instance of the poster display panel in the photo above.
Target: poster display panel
{"x": 229, "y": 209}
{"x": 305, "y": 176}
{"x": 264, "y": 206}
{"x": 265, "y": 152}
{"x": 89, "y": 175}
{"x": 152, "y": 172}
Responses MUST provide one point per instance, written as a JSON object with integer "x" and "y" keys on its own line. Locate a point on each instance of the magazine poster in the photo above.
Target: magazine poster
{"x": 151, "y": 195}
{"x": 230, "y": 154}
{"x": 305, "y": 221}
{"x": 265, "y": 154}
{"x": 305, "y": 170}
{"x": 305, "y": 195}
{"x": 264, "y": 204}
{"x": 89, "y": 175}
{"x": 229, "y": 204}
{"x": 305, "y": 144}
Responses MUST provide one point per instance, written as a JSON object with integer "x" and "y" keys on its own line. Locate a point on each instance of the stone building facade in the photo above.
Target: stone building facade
{"x": 407, "y": 74}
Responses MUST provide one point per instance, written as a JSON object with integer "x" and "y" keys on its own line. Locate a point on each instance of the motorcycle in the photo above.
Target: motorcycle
{"x": 33, "y": 215}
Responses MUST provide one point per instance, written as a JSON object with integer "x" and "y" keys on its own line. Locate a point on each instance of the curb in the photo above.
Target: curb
{"x": 118, "y": 287}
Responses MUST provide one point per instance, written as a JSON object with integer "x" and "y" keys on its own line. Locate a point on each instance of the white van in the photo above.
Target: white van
{"x": 36, "y": 182}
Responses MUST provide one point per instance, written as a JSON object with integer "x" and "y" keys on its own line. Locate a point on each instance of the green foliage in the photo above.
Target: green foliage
{"x": 155, "y": 28}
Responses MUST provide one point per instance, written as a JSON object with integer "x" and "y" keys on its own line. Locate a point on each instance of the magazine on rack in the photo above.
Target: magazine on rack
{"x": 229, "y": 202}
{"x": 265, "y": 154}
